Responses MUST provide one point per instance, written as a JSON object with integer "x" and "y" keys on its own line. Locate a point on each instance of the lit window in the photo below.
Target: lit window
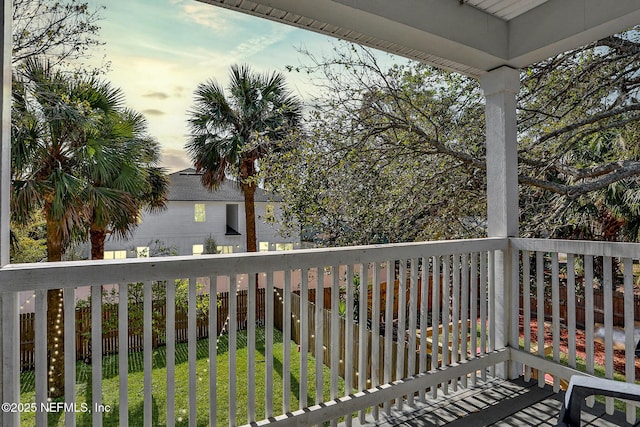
{"x": 199, "y": 215}
{"x": 264, "y": 247}
{"x": 142, "y": 251}
{"x": 197, "y": 249}
{"x": 226, "y": 249}
{"x": 284, "y": 246}
{"x": 115, "y": 254}
{"x": 268, "y": 213}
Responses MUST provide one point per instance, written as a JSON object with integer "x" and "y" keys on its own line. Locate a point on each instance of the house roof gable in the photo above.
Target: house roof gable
{"x": 185, "y": 185}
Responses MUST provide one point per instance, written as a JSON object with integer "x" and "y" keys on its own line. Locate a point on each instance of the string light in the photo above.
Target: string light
{"x": 57, "y": 331}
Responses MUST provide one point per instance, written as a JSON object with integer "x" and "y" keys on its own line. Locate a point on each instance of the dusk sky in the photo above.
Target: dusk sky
{"x": 160, "y": 50}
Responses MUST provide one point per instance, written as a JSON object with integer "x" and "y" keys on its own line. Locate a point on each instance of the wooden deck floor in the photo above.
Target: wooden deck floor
{"x": 493, "y": 403}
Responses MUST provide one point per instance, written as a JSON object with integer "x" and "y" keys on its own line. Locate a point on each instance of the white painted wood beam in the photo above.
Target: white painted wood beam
{"x": 411, "y": 28}
{"x": 317, "y": 414}
{"x": 5, "y": 137}
{"x": 560, "y": 25}
{"x": 450, "y": 35}
{"x": 69, "y": 345}
{"x": 34, "y": 276}
{"x": 445, "y": 22}
{"x": 500, "y": 89}
{"x": 582, "y": 247}
{"x": 9, "y": 324}
{"x": 10, "y": 342}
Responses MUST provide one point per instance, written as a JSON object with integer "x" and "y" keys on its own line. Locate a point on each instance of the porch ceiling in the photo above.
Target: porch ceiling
{"x": 470, "y": 36}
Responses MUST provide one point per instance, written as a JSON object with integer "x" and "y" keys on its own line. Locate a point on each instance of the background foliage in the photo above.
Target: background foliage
{"x": 397, "y": 152}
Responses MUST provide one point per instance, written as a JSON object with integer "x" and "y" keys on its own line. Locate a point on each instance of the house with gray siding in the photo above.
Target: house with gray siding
{"x": 194, "y": 215}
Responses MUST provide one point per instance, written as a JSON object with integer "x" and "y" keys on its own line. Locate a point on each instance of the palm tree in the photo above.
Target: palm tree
{"x": 131, "y": 158}
{"x": 55, "y": 124}
{"x": 229, "y": 135}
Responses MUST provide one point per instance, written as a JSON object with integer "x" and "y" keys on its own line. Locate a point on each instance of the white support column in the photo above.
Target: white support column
{"x": 5, "y": 150}
{"x": 500, "y": 88}
{"x": 9, "y": 325}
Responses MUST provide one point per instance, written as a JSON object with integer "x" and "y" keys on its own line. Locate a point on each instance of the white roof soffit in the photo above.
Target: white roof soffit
{"x": 469, "y": 38}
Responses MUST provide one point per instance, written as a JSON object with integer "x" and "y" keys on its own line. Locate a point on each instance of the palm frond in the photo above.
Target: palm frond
{"x": 241, "y": 128}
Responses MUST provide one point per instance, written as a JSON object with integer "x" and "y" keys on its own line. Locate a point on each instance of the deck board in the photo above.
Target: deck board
{"x": 493, "y": 402}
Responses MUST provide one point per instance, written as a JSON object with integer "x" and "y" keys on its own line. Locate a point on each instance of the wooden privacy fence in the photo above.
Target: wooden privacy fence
{"x": 135, "y": 342}
{"x": 296, "y": 331}
{"x": 618, "y": 309}
{"x": 598, "y": 307}
{"x": 383, "y": 295}
{"x": 110, "y": 321}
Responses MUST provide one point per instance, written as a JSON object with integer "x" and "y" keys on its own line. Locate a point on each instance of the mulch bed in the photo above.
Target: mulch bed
{"x": 619, "y": 362}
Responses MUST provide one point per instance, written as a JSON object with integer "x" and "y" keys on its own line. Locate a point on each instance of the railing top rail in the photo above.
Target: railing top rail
{"x": 17, "y": 277}
{"x": 578, "y": 247}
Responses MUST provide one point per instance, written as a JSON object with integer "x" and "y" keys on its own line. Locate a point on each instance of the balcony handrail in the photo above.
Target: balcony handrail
{"x": 582, "y": 247}
{"x": 19, "y": 277}
{"x": 450, "y": 269}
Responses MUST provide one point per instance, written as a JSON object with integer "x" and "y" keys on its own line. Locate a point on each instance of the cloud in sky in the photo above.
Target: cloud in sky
{"x": 205, "y": 15}
{"x": 174, "y": 160}
{"x": 259, "y": 43}
{"x": 156, "y": 95}
{"x": 153, "y": 112}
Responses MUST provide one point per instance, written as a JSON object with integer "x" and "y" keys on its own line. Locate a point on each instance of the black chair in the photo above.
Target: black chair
{"x": 581, "y": 387}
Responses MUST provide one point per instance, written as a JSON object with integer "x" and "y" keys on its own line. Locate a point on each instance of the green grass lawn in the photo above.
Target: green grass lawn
{"x": 110, "y": 384}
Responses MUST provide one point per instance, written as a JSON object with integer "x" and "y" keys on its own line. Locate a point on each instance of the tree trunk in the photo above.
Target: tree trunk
{"x": 55, "y": 316}
{"x": 249, "y": 190}
{"x": 98, "y": 236}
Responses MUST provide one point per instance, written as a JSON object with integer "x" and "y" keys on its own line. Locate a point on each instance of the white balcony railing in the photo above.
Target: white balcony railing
{"x": 428, "y": 314}
{"x": 583, "y": 326}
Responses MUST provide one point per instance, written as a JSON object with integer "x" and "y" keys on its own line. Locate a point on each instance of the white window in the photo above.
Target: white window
{"x": 264, "y": 247}
{"x": 284, "y": 246}
{"x": 197, "y": 249}
{"x": 232, "y": 220}
{"x": 142, "y": 251}
{"x": 199, "y": 215}
{"x": 225, "y": 249}
{"x": 115, "y": 254}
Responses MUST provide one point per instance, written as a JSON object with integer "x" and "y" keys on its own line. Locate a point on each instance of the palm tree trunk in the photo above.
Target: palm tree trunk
{"x": 249, "y": 191}
{"x": 97, "y": 236}
{"x": 55, "y": 316}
